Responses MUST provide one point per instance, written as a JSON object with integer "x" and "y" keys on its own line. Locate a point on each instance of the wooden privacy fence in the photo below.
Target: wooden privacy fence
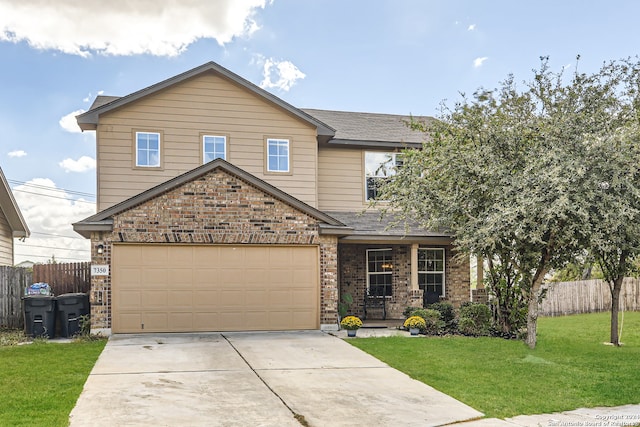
{"x": 13, "y": 281}
{"x": 64, "y": 278}
{"x": 588, "y": 296}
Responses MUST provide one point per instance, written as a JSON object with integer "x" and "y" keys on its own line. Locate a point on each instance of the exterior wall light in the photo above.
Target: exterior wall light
{"x": 100, "y": 249}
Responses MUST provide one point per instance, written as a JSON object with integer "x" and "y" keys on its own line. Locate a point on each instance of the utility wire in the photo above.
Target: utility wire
{"x": 54, "y": 197}
{"x": 52, "y": 247}
{"x": 58, "y": 235}
{"x": 49, "y": 257}
{"x": 44, "y": 187}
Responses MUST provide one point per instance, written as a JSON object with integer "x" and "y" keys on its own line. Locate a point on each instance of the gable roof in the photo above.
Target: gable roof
{"x": 371, "y": 129}
{"x": 103, "y": 221}
{"x": 89, "y": 119}
{"x": 9, "y": 207}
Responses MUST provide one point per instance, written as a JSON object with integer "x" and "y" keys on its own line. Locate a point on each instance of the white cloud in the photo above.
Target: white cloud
{"x": 69, "y": 122}
{"x": 471, "y": 27}
{"x": 83, "y": 164}
{"x": 279, "y": 74}
{"x": 49, "y": 213}
{"x": 17, "y": 153}
{"x": 477, "y": 63}
{"x": 155, "y": 27}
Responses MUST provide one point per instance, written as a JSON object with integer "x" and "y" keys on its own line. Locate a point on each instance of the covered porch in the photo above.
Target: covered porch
{"x": 386, "y": 269}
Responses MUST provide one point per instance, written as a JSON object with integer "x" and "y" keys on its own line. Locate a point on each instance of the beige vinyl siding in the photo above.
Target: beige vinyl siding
{"x": 6, "y": 241}
{"x": 205, "y": 104}
{"x": 340, "y": 179}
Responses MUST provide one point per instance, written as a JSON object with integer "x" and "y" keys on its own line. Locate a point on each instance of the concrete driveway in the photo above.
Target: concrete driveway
{"x": 253, "y": 379}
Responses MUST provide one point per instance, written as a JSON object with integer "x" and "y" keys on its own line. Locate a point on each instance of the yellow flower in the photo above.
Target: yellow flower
{"x": 351, "y": 323}
{"x": 415, "y": 322}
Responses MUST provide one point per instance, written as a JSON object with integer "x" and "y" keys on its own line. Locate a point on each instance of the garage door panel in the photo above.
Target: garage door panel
{"x": 155, "y": 321}
{"x": 255, "y": 298}
{"x": 181, "y": 288}
{"x": 206, "y": 299}
{"x": 155, "y": 300}
{"x": 154, "y": 255}
{"x": 181, "y": 298}
{"x": 129, "y": 300}
{"x": 181, "y": 320}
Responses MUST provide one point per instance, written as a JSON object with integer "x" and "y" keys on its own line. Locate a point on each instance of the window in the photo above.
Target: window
{"x": 380, "y": 272}
{"x": 213, "y": 147}
{"x": 148, "y": 149}
{"x": 277, "y": 155}
{"x": 431, "y": 270}
{"x": 378, "y": 166}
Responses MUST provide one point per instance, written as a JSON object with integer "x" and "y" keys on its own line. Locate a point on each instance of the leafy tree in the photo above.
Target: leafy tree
{"x": 615, "y": 233}
{"x": 506, "y": 172}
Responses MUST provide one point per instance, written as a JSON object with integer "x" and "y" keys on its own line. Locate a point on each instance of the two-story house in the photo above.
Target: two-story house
{"x": 12, "y": 224}
{"x": 222, "y": 208}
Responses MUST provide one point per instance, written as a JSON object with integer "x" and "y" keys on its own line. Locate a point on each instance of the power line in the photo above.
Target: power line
{"x": 54, "y": 197}
{"x": 44, "y": 187}
{"x": 52, "y": 247}
{"x": 58, "y": 235}
{"x": 46, "y": 256}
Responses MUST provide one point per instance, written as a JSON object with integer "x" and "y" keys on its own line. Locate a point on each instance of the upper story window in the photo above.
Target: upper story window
{"x": 148, "y": 149}
{"x": 278, "y": 155}
{"x": 214, "y": 147}
{"x": 378, "y": 167}
{"x": 380, "y": 272}
{"x": 431, "y": 270}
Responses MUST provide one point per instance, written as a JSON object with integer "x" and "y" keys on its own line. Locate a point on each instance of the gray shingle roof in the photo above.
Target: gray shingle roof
{"x": 367, "y": 127}
{"x": 369, "y": 223}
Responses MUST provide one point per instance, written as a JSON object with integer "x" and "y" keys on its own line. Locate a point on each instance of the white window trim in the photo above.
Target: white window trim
{"x": 159, "y": 165}
{"x": 279, "y": 140}
{"x": 444, "y": 268}
{"x": 369, "y": 273}
{"x": 394, "y": 156}
{"x": 204, "y": 136}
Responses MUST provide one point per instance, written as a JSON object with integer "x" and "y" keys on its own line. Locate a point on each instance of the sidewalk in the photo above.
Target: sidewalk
{"x": 628, "y": 415}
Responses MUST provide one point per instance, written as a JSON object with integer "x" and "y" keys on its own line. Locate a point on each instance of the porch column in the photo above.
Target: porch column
{"x": 479, "y": 272}
{"x": 414, "y": 267}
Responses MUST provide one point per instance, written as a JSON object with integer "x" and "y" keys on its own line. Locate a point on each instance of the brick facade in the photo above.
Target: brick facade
{"x": 215, "y": 208}
{"x": 353, "y": 278}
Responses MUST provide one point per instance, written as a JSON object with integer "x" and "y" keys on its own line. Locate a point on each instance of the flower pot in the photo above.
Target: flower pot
{"x": 351, "y": 332}
{"x": 414, "y": 331}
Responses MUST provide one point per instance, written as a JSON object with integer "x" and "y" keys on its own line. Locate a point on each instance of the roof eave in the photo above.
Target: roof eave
{"x": 374, "y": 144}
{"x": 9, "y": 207}
{"x": 358, "y": 238}
{"x": 86, "y": 228}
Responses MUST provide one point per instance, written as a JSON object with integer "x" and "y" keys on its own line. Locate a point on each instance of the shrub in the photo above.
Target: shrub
{"x": 447, "y": 314}
{"x": 475, "y": 319}
{"x": 422, "y": 312}
{"x": 434, "y": 324}
{"x": 407, "y": 311}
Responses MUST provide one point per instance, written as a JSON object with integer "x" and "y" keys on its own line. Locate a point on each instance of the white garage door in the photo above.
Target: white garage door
{"x": 184, "y": 288}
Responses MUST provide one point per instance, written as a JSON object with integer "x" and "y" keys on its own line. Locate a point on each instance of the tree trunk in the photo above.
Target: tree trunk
{"x": 615, "y": 305}
{"x": 532, "y": 320}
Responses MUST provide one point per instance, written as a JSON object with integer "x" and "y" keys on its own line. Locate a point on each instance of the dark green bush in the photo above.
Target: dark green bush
{"x": 447, "y": 314}
{"x": 474, "y": 319}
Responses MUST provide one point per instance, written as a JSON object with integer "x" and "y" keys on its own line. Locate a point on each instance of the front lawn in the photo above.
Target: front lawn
{"x": 569, "y": 369}
{"x": 40, "y": 382}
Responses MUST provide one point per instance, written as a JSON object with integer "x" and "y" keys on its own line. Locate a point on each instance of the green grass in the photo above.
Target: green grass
{"x": 570, "y": 367}
{"x": 40, "y": 382}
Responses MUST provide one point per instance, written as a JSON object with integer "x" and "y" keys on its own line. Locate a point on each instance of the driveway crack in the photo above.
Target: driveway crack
{"x": 299, "y": 417}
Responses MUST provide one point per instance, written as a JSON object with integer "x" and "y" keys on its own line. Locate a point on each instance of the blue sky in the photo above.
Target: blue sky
{"x": 397, "y": 57}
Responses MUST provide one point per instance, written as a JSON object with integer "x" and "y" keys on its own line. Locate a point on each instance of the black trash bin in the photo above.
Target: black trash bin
{"x": 70, "y": 309}
{"x": 39, "y": 315}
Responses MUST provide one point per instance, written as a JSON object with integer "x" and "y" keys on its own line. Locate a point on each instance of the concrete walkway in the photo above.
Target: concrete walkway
{"x": 253, "y": 379}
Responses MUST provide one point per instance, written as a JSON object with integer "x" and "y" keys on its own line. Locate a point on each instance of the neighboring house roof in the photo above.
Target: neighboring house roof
{"x": 103, "y": 221}
{"x": 89, "y": 119}
{"x": 372, "y": 226}
{"x": 371, "y": 129}
{"x": 11, "y": 210}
